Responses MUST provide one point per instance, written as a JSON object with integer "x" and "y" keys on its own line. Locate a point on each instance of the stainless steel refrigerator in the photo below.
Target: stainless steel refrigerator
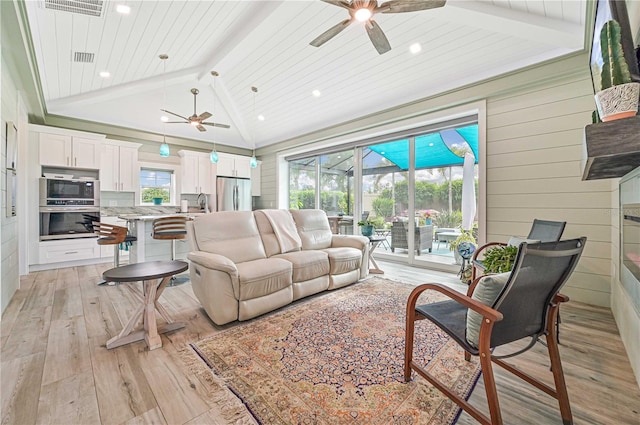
{"x": 233, "y": 194}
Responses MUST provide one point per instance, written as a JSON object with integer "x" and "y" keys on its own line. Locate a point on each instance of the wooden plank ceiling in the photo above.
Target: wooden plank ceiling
{"x": 266, "y": 44}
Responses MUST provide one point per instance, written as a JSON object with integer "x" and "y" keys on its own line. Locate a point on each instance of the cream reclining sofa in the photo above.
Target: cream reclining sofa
{"x": 244, "y": 264}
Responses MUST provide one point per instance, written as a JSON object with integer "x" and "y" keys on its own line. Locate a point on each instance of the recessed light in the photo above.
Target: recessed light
{"x": 105, "y": 74}
{"x": 316, "y": 93}
{"x": 261, "y": 117}
{"x": 164, "y": 118}
{"x": 124, "y": 9}
{"x": 415, "y": 48}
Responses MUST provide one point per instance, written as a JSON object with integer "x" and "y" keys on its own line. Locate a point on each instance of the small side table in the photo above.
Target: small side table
{"x": 155, "y": 276}
{"x": 375, "y": 241}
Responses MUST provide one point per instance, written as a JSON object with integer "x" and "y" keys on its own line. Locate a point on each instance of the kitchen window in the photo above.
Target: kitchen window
{"x": 157, "y": 184}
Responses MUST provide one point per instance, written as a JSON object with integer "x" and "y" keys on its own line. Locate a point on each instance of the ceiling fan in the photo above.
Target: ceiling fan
{"x": 196, "y": 120}
{"x": 363, "y": 11}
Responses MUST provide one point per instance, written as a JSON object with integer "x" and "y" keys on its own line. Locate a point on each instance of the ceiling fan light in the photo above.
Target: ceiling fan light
{"x": 362, "y": 14}
{"x": 164, "y": 150}
{"x": 214, "y": 157}
{"x": 194, "y": 123}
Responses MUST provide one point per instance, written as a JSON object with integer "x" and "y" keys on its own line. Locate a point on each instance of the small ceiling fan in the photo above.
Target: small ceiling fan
{"x": 196, "y": 120}
{"x": 363, "y": 11}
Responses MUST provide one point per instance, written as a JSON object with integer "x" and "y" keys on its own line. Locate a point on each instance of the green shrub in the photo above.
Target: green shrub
{"x": 449, "y": 219}
{"x": 500, "y": 259}
{"x": 383, "y": 207}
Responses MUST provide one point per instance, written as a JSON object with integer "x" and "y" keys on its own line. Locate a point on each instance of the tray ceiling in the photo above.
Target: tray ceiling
{"x": 266, "y": 44}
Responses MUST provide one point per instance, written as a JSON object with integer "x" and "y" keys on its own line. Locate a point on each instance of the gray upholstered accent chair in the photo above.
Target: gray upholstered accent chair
{"x": 541, "y": 230}
{"x": 498, "y": 310}
{"x": 423, "y": 237}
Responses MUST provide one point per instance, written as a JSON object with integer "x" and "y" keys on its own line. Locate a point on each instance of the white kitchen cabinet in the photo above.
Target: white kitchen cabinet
{"x": 61, "y": 150}
{"x": 256, "y": 180}
{"x": 68, "y": 250}
{"x": 119, "y": 166}
{"x": 198, "y": 172}
{"x": 234, "y": 165}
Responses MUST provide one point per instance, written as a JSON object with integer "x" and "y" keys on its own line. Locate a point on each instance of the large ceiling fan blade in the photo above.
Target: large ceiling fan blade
{"x": 173, "y": 113}
{"x": 203, "y": 116}
{"x": 377, "y": 37}
{"x": 215, "y": 124}
{"x": 330, "y": 33}
{"x": 200, "y": 127}
{"x": 401, "y": 6}
{"x": 177, "y": 122}
{"x": 339, "y": 3}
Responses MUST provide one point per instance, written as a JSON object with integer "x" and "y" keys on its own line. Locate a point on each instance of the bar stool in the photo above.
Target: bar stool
{"x": 171, "y": 228}
{"x": 109, "y": 234}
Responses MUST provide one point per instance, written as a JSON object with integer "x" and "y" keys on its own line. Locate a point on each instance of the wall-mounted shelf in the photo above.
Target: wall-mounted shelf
{"x": 612, "y": 149}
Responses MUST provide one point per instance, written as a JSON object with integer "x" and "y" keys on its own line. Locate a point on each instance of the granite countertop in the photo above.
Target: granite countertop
{"x": 156, "y": 211}
{"x": 143, "y": 217}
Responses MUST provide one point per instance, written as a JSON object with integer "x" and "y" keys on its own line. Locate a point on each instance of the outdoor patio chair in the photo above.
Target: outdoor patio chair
{"x": 501, "y": 309}
{"x": 541, "y": 230}
{"x": 423, "y": 237}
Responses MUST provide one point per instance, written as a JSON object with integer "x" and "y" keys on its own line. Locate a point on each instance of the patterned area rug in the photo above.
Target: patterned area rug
{"x": 338, "y": 358}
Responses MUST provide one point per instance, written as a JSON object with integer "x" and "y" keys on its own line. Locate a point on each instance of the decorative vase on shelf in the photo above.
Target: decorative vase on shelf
{"x": 619, "y": 95}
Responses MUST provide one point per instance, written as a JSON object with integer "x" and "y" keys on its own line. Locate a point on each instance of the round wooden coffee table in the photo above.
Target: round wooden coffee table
{"x": 155, "y": 275}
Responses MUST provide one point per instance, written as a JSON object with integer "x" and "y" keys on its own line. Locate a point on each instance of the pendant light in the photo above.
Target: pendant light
{"x": 164, "y": 147}
{"x": 214, "y": 155}
{"x": 253, "y": 163}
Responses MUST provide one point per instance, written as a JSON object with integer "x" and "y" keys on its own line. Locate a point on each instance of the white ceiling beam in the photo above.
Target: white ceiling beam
{"x": 229, "y": 105}
{"x": 156, "y": 82}
{"x": 247, "y": 25}
{"x": 513, "y": 23}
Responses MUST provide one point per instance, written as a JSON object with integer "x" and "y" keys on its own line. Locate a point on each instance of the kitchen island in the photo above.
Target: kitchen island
{"x": 148, "y": 249}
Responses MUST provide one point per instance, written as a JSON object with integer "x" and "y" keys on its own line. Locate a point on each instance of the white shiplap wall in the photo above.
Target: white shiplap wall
{"x": 9, "y": 276}
{"x": 535, "y": 123}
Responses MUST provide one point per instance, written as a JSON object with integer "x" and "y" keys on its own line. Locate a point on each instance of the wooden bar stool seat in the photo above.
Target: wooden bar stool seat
{"x": 171, "y": 228}
{"x": 110, "y": 234}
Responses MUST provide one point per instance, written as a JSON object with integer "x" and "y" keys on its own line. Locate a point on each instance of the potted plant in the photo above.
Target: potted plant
{"x": 499, "y": 259}
{"x": 465, "y": 236}
{"x": 366, "y": 227}
{"x": 618, "y": 97}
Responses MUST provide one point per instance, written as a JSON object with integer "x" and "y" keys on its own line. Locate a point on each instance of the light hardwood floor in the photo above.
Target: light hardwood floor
{"x": 56, "y": 370}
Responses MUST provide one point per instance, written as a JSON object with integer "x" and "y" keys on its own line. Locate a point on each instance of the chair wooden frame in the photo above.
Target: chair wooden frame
{"x": 490, "y": 317}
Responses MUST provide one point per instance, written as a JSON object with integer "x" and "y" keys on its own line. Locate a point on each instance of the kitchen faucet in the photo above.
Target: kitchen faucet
{"x": 203, "y": 204}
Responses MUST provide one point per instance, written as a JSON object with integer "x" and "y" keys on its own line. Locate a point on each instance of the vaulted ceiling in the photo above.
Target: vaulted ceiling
{"x": 265, "y": 44}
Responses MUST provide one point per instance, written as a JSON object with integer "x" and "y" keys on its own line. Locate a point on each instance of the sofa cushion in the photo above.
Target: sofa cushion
{"x": 263, "y": 277}
{"x": 307, "y": 265}
{"x": 233, "y": 234}
{"x": 313, "y": 228}
{"x": 343, "y": 260}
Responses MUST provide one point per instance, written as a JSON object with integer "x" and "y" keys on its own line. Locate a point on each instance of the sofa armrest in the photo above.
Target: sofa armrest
{"x": 350, "y": 241}
{"x": 214, "y": 262}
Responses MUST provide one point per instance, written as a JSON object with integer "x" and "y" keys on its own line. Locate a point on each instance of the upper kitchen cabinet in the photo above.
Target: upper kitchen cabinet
{"x": 119, "y": 166}
{"x": 198, "y": 172}
{"x": 233, "y": 165}
{"x": 68, "y": 148}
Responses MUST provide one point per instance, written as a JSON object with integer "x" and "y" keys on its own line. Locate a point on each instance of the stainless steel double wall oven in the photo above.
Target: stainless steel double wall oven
{"x": 68, "y": 207}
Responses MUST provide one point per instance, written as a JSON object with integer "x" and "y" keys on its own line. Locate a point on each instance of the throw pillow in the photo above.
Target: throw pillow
{"x": 516, "y": 241}
{"x": 488, "y": 289}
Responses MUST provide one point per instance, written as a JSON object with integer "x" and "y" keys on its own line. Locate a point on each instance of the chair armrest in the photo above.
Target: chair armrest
{"x": 481, "y": 249}
{"x": 214, "y": 262}
{"x": 349, "y": 241}
{"x": 484, "y": 310}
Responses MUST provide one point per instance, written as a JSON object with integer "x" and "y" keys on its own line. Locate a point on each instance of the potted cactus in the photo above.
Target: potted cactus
{"x": 619, "y": 96}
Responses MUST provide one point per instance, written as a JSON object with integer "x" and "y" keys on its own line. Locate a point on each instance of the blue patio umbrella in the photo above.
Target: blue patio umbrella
{"x": 432, "y": 150}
